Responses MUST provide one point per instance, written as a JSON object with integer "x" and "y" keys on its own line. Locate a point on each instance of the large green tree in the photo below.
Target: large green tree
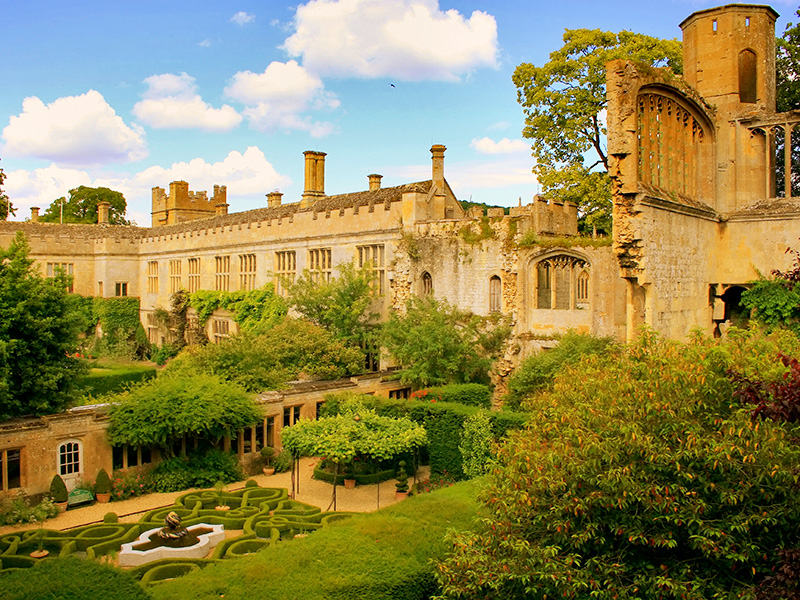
{"x": 39, "y": 327}
{"x": 81, "y": 206}
{"x": 438, "y": 344}
{"x": 564, "y": 102}
{"x": 341, "y": 304}
{"x": 6, "y": 208}
{"x": 640, "y": 476}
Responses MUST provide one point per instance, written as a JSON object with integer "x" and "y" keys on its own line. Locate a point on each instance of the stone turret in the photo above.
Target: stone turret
{"x": 183, "y": 205}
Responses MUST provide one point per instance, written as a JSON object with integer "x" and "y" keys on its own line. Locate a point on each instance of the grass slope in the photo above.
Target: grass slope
{"x": 386, "y": 554}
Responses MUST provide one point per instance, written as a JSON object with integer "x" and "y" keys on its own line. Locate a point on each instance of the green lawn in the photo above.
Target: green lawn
{"x": 386, "y": 554}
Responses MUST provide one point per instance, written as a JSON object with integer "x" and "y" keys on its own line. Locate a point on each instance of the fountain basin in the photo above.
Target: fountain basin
{"x": 130, "y": 556}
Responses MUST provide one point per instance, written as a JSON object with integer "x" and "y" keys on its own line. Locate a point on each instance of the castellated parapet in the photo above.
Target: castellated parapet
{"x": 552, "y": 217}
{"x": 183, "y": 205}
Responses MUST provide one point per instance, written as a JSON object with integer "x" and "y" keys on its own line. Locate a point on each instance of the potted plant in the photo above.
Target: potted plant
{"x": 349, "y": 476}
{"x": 401, "y": 491}
{"x": 58, "y": 492}
{"x": 220, "y": 487}
{"x": 40, "y": 551}
{"x": 267, "y": 452}
{"x": 102, "y": 486}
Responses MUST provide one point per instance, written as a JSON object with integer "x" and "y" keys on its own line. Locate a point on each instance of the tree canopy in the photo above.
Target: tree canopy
{"x": 341, "y": 305}
{"x": 6, "y": 208}
{"x": 81, "y": 206}
{"x": 166, "y": 408}
{"x": 787, "y": 68}
{"x": 640, "y": 475}
{"x": 39, "y": 327}
{"x": 439, "y": 344}
{"x": 564, "y": 102}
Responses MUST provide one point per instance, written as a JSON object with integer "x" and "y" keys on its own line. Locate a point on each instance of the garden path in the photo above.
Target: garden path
{"x": 317, "y": 493}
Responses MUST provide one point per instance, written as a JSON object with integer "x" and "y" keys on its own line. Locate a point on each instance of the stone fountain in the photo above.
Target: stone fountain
{"x": 171, "y": 541}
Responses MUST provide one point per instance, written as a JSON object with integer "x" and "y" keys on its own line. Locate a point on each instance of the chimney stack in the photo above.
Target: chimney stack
{"x": 274, "y": 199}
{"x": 437, "y": 157}
{"x": 34, "y": 214}
{"x": 102, "y": 212}
{"x": 315, "y": 177}
{"x": 221, "y": 209}
{"x": 374, "y": 182}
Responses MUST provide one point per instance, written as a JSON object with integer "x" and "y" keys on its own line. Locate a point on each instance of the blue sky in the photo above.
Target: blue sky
{"x": 132, "y": 95}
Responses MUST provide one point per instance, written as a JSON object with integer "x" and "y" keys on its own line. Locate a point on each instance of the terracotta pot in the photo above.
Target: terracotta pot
{"x": 349, "y": 484}
{"x": 39, "y": 553}
{"x": 400, "y": 496}
{"x": 222, "y": 508}
{"x": 62, "y": 506}
{"x": 268, "y": 470}
{"x": 102, "y": 498}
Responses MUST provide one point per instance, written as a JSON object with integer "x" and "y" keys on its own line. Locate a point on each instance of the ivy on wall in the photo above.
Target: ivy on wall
{"x": 118, "y": 321}
{"x": 255, "y": 311}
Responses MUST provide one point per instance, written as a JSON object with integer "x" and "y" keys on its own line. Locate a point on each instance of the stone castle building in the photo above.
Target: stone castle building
{"x": 696, "y": 217}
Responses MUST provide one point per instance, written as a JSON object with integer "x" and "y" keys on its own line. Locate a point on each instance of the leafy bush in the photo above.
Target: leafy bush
{"x": 19, "y": 510}
{"x": 538, "y": 370}
{"x": 72, "y": 578}
{"x": 162, "y": 354}
{"x": 199, "y": 469}
{"x": 282, "y": 461}
{"x": 268, "y": 361}
{"x": 130, "y": 484}
{"x": 475, "y": 446}
{"x": 471, "y": 394}
{"x": 640, "y": 476}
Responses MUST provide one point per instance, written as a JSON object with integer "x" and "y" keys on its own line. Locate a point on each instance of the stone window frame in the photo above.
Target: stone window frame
{"x": 5, "y": 478}
{"x": 319, "y": 264}
{"x": 120, "y": 289}
{"x": 285, "y": 270}
{"x": 68, "y": 269}
{"x": 69, "y": 460}
{"x": 426, "y": 284}
{"x": 373, "y": 255}
{"x": 152, "y": 277}
{"x": 221, "y": 329}
{"x": 194, "y": 274}
{"x": 222, "y": 273}
{"x": 175, "y": 276}
{"x": 247, "y": 271}
{"x": 495, "y": 294}
{"x": 143, "y": 456}
{"x": 550, "y": 297}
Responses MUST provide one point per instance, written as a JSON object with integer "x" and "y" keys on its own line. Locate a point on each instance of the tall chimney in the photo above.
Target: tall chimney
{"x": 374, "y": 182}
{"x": 274, "y": 199}
{"x": 102, "y": 212}
{"x": 221, "y": 209}
{"x": 34, "y": 214}
{"x": 437, "y": 157}
{"x": 314, "y": 176}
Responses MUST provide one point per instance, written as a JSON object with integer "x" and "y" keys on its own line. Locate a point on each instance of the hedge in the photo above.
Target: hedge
{"x": 443, "y": 422}
{"x": 471, "y": 394}
{"x": 103, "y": 381}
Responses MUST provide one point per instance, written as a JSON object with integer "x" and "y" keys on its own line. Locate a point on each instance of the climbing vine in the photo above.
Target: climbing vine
{"x": 255, "y": 311}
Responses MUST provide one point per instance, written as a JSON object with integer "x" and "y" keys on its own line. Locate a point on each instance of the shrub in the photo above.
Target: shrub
{"x": 102, "y": 484}
{"x": 538, "y": 370}
{"x": 19, "y": 510}
{"x": 640, "y": 476}
{"x": 475, "y": 446}
{"x": 110, "y": 517}
{"x": 130, "y": 484}
{"x": 283, "y": 461}
{"x": 162, "y": 354}
{"x": 58, "y": 489}
{"x": 471, "y": 394}
{"x": 200, "y": 469}
{"x": 402, "y": 478}
{"x": 73, "y": 578}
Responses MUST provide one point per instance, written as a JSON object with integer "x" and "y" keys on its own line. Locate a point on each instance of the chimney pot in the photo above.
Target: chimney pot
{"x": 102, "y": 212}
{"x": 437, "y": 157}
{"x": 274, "y": 199}
{"x": 314, "y": 177}
{"x": 34, "y": 214}
{"x": 374, "y": 182}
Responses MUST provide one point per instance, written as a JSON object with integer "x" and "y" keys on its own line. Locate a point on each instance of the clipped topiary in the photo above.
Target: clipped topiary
{"x": 250, "y": 483}
{"x": 58, "y": 489}
{"x": 267, "y": 452}
{"x": 402, "y": 478}
{"x": 102, "y": 485}
{"x": 110, "y": 517}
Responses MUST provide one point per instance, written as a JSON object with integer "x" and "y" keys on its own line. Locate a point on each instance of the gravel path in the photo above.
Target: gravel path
{"x": 317, "y": 493}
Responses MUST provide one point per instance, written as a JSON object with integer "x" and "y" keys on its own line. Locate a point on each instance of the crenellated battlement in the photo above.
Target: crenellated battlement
{"x": 183, "y": 205}
{"x": 553, "y": 217}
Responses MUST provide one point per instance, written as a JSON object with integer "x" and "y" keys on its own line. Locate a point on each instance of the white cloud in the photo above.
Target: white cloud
{"x": 487, "y": 145}
{"x": 278, "y": 96}
{"x": 402, "y": 39}
{"x": 248, "y": 176}
{"x": 466, "y": 176}
{"x": 241, "y": 18}
{"x": 172, "y": 102}
{"x": 73, "y": 130}
{"x": 205, "y": 43}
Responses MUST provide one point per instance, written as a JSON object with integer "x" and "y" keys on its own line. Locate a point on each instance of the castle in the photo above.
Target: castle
{"x": 696, "y": 217}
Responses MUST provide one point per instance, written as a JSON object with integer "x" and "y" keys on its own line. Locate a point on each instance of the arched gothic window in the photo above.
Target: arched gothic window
{"x": 495, "y": 294}
{"x": 748, "y": 77}
{"x": 427, "y": 284}
{"x": 562, "y": 282}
